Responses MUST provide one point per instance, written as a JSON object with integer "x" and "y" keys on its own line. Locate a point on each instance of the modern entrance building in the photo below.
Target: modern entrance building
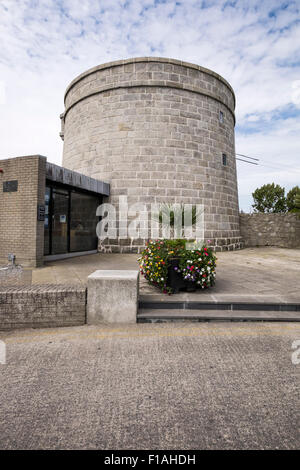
{"x": 46, "y": 211}
{"x": 71, "y": 202}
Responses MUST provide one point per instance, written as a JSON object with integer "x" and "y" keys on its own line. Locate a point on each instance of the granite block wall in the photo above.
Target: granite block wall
{"x": 156, "y": 130}
{"x": 282, "y": 230}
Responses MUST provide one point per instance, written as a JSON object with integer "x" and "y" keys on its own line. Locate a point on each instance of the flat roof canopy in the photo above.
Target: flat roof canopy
{"x": 72, "y": 178}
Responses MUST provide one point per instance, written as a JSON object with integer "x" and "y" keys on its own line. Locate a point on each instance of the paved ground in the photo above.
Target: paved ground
{"x": 266, "y": 274}
{"x": 191, "y": 386}
{"x": 254, "y": 274}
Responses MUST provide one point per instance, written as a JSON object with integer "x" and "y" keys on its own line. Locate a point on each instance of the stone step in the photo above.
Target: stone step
{"x": 188, "y": 306}
{"x": 148, "y": 315}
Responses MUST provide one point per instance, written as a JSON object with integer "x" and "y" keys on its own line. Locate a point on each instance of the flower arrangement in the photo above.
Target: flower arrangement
{"x": 195, "y": 266}
{"x": 198, "y": 266}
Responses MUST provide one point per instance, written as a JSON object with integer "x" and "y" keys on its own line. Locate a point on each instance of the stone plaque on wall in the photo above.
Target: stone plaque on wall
{"x": 10, "y": 186}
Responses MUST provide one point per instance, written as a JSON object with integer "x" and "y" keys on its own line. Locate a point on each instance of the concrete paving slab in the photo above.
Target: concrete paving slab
{"x": 151, "y": 386}
{"x": 253, "y": 273}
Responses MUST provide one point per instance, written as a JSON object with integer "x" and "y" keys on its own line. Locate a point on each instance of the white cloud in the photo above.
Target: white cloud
{"x": 296, "y": 92}
{"x": 2, "y": 92}
{"x": 255, "y": 45}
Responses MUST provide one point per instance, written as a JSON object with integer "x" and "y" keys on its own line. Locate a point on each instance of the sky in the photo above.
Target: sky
{"x": 255, "y": 45}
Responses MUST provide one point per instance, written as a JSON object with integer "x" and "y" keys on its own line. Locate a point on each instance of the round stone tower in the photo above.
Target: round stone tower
{"x": 159, "y": 131}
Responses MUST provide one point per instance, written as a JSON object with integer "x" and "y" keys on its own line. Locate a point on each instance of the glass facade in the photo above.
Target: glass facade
{"x": 70, "y": 220}
{"x": 83, "y": 222}
{"x": 47, "y": 222}
{"x": 60, "y": 219}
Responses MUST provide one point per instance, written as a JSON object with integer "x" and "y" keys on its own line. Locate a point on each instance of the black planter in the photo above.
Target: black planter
{"x": 176, "y": 281}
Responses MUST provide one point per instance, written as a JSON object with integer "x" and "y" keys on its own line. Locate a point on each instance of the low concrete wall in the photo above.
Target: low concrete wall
{"x": 112, "y": 296}
{"x": 42, "y": 306}
{"x": 282, "y": 230}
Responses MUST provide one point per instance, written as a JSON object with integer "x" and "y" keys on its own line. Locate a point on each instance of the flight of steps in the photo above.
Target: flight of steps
{"x": 172, "y": 311}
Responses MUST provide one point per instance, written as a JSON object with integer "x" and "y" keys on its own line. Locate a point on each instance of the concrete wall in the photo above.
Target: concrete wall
{"x": 42, "y": 306}
{"x": 151, "y": 128}
{"x": 281, "y": 230}
{"x": 20, "y": 231}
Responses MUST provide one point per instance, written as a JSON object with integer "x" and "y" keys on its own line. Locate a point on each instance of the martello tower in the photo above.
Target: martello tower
{"x": 158, "y": 130}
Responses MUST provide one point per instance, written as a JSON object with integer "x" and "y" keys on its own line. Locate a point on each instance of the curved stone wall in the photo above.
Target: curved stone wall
{"x": 151, "y": 128}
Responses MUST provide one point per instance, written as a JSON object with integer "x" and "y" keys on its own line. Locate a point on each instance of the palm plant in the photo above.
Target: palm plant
{"x": 178, "y": 217}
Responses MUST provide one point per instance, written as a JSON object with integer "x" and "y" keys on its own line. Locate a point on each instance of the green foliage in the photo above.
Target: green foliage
{"x": 296, "y": 207}
{"x": 174, "y": 213}
{"x": 291, "y": 198}
{"x": 196, "y": 265}
{"x": 175, "y": 245}
{"x": 269, "y": 198}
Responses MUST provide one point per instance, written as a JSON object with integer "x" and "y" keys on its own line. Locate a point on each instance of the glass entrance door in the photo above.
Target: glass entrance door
{"x": 60, "y": 221}
{"x": 83, "y": 224}
{"x": 70, "y": 221}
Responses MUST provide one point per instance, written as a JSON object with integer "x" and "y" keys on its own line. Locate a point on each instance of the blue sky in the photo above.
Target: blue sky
{"x": 255, "y": 45}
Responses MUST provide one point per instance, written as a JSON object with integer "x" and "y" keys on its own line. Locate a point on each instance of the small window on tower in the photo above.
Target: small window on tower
{"x": 221, "y": 117}
{"x": 224, "y": 159}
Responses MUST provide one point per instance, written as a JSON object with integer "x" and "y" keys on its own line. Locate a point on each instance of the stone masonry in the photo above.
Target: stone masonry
{"x": 20, "y": 231}
{"x": 156, "y": 129}
{"x": 42, "y": 306}
{"x": 282, "y": 230}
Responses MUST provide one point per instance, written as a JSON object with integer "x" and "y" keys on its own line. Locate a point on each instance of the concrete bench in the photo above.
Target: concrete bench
{"x": 112, "y": 297}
